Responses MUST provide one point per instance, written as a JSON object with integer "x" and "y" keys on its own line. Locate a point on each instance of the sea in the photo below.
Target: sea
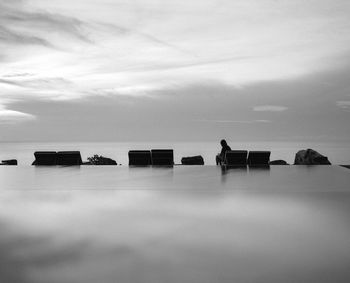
{"x": 337, "y": 152}
{"x": 190, "y": 224}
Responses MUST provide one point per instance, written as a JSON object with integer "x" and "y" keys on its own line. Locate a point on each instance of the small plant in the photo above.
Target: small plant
{"x": 101, "y": 160}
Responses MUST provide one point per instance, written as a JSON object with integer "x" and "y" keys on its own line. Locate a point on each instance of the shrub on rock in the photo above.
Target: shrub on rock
{"x": 100, "y": 160}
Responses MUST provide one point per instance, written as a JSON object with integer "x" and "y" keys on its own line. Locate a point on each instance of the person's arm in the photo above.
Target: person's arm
{"x": 222, "y": 153}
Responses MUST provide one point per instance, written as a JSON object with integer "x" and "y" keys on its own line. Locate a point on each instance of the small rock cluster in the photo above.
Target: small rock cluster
{"x": 100, "y": 160}
{"x": 192, "y": 160}
{"x": 278, "y": 162}
{"x": 9, "y": 162}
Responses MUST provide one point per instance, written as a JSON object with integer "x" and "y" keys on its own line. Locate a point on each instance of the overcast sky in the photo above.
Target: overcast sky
{"x": 174, "y": 70}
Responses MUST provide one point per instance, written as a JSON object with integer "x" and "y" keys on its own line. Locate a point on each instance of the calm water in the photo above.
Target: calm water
{"x": 338, "y": 153}
{"x": 184, "y": 224}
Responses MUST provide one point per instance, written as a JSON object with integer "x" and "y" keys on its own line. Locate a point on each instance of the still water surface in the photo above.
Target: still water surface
{"x": 183, "y": 224}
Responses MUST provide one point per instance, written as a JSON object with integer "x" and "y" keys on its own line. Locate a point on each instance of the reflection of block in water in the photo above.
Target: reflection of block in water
{"x": 236, "y": 157}
{"x": 140, "y": 157}
{"x": 45, "y": 158}
{"x": 259, "y": 158}
{"x": 67, "y": 158}
{"x": 162, "y": 157}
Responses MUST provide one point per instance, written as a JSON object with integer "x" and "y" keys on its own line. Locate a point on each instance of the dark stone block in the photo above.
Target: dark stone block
{"x": 259, "y": 158}
{"x": 192, "y": 160}
{"x": 69, "y": 158}
{"x": 162, "y": 157}
{"x": 236, "y": 158}
{"x": 140, "y": 158}
{"x": 45, "y": 158}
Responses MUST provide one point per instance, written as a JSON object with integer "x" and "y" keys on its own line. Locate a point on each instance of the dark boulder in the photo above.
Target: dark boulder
{"x": 192, "y": 160}
{"x": 310, "y": 157}
{"x": 100, "y": 160}
{"x": 278, "y": 162}
{"x": 9, "y": 162}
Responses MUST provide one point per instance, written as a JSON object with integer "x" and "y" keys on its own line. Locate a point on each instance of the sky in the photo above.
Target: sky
{"x": 133, "y": 70}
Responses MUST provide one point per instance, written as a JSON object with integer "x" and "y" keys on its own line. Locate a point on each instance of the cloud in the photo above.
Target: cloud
{"x": 8, "y": 82}
{"x": 263, "y": 121}
{"x": 17, "y": 75}
{"x": 232, "y": 121}
{"x": 31, "y": 81}
{"x": 345, "y": 104}
{"x": 151, "y": 45}
{"x": 270, "y": 108}
{"x": 60, "y": 50}
{"x": 16, "y": 38}
{"x": 39, "y": 87}
{"x": 11, "y": 116}
{"x": 22, "y": 25}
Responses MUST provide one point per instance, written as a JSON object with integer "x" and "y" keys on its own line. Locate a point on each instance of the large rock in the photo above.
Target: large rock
{"x": 192, "y": 160}
{"x": 278, "y": 162}
{"x": 100, "y": 160}
{"x": 310, "y": 157}
{"x": 9, "y": 162}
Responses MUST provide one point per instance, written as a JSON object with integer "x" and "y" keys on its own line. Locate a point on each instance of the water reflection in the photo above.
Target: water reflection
{"x": 234, "y": 172}
{"x": 175, "y": 225}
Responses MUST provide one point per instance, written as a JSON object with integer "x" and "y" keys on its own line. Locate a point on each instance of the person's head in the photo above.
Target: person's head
{"x": 223, "y": 143}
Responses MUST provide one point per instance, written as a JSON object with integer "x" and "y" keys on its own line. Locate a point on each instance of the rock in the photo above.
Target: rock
{"x": 100, "y": 160}
{"x": 9, "y": 162}
{"x": 278, "y": 162}
{"x": 192, "y": 160}
{"x": 310, "y": 157}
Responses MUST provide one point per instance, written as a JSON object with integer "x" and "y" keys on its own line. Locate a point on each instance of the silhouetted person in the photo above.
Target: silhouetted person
{"x": 221, "y": 156}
